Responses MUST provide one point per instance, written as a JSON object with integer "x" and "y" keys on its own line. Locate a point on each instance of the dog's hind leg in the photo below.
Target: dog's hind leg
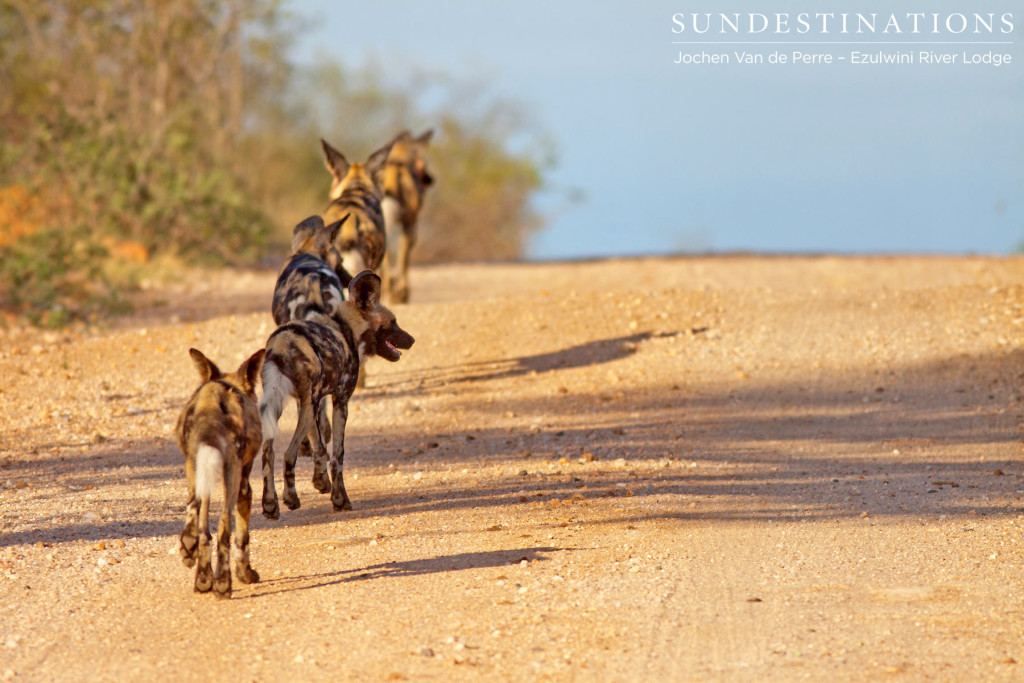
{"x": 209, "y": 466}
{"x": 189, "y": 540}
{"x": 302, "y": 430}
{"x": 321, "y": 476}
{"x": 275, "y": 388}
{"x": 339, "y": 497}
{"x": 222, "y": 573}
{"x": 243, "y": 570}
{"x": 204, "y": 569}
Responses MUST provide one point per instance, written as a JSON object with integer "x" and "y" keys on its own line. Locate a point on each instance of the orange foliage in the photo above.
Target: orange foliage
{"x": 20, "y": 213}
{"x": 126, "y": 250}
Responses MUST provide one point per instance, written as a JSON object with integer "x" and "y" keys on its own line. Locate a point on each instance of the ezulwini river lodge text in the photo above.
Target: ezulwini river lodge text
{"x": 877, "y": 57}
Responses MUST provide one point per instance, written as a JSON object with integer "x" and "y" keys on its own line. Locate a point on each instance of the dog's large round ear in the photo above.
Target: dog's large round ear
{"x": 305, "y": 231}
{"x": 335, "y": 161}
{"x": 425, "y": 138}
{"x": 375, "y": 164}
{"x": 206, "y": 368}
{"x": 250, "y": 369}
{"x": 364, "y": 290}
{"x": 333, "y": 229}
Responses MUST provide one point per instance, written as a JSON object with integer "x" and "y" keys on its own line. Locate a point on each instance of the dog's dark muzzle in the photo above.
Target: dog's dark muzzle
{"x": 401, "y": 340}
{"x": 391, "y": 340}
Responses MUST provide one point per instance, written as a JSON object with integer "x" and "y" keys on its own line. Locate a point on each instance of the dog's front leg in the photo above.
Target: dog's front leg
{"x": 339, "y": 497}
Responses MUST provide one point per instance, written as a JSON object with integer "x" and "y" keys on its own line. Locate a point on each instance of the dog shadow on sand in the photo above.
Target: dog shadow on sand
{"x": 587, "y": 354}
{"x": 418, "y": 567}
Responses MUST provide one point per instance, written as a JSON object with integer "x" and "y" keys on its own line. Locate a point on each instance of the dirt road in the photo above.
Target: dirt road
{"x": 733, "y": 468}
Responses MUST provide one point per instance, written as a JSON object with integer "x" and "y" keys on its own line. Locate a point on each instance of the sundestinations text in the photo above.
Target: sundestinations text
{"x": 755, "y": 23}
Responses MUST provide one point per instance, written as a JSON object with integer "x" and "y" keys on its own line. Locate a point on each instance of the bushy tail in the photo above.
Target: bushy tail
{"x": 276, "y": 388}
{"x": 351, "y": 258}
{"x": 209, "y": 470}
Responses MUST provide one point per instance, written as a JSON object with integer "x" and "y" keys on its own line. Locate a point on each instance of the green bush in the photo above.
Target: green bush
{"x": 51, "y": 279}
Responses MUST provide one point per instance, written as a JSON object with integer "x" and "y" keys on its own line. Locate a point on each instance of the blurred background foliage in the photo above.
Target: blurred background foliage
{"x": 181, "y": 132}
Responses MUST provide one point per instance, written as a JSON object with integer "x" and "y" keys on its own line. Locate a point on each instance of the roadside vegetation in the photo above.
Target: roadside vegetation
{"x": 145, "y": 137}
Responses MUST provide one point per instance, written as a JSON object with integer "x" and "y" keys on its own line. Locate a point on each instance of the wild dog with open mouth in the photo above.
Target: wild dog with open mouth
{"x": 404, "y": 180}
{"x": 314, "y": 358}
{"x": 354, "y": 191}
{"x": 314, "y": 275}
{"x": 313, "y": 279}
{"x": 220, "y": 433}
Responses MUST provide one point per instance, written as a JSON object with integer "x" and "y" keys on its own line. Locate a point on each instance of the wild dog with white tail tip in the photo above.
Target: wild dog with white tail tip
{"x": 314, "y": 358}
{"x": 219, "y": 431}
{"x": 312, "y": 280}
{"x": 355, "y": 191}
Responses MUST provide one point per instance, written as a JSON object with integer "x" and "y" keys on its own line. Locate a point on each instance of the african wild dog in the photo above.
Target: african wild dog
{"x": 219, "y": 433}
{"x": 313, "y": 279}
{"x": 354, "y": 191}
{"x": 404, "y": 180}
{"x": 313, "y": 276}
{"x": 314, "y": 358}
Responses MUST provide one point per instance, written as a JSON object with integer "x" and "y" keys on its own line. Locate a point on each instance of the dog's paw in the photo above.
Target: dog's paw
{"x": 187, "y": 546}
{"x": 222, "y": 585}
{"x": 321, "y": 482}
{"x": 246, "y": 574}
{"x": 291, "y": 500}
{"x": 204, "y": 580}
{"x": 271, "y": 510}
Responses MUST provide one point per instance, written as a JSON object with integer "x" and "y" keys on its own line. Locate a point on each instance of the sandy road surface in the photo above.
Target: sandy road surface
{"x": 734, "y": 468}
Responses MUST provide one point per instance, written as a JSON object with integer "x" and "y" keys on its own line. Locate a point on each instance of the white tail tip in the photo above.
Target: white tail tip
{"x": 209, "y": 470}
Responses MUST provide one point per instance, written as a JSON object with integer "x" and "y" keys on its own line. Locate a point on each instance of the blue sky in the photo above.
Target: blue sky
{"x": 775, "y": 158}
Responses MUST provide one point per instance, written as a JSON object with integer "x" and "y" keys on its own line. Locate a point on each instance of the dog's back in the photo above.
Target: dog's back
{"x": 306, "y": 284}
{"x": 222, "y": 415}
{"x": 406, "y": 177}
{"x": 363, "y": 240}
{"x": 314, "y": 355}
{"x": 313, "y": 278}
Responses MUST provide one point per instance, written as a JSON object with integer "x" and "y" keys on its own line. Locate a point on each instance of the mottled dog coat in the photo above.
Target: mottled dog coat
{"x": 354, "y": 191}
{"x": 404, "y": 180}
{"x": 314, "y": 358}
{"x": 219, "y": 432}
{"x": 312, "y": 281}
{"x": 314, "y": 277}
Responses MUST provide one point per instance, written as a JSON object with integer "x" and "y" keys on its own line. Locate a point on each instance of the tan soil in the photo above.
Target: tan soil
{"x": 733, "y": 468}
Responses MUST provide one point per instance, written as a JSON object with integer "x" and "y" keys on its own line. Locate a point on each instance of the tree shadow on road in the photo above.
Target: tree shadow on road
{"x": 828, "y": 445}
